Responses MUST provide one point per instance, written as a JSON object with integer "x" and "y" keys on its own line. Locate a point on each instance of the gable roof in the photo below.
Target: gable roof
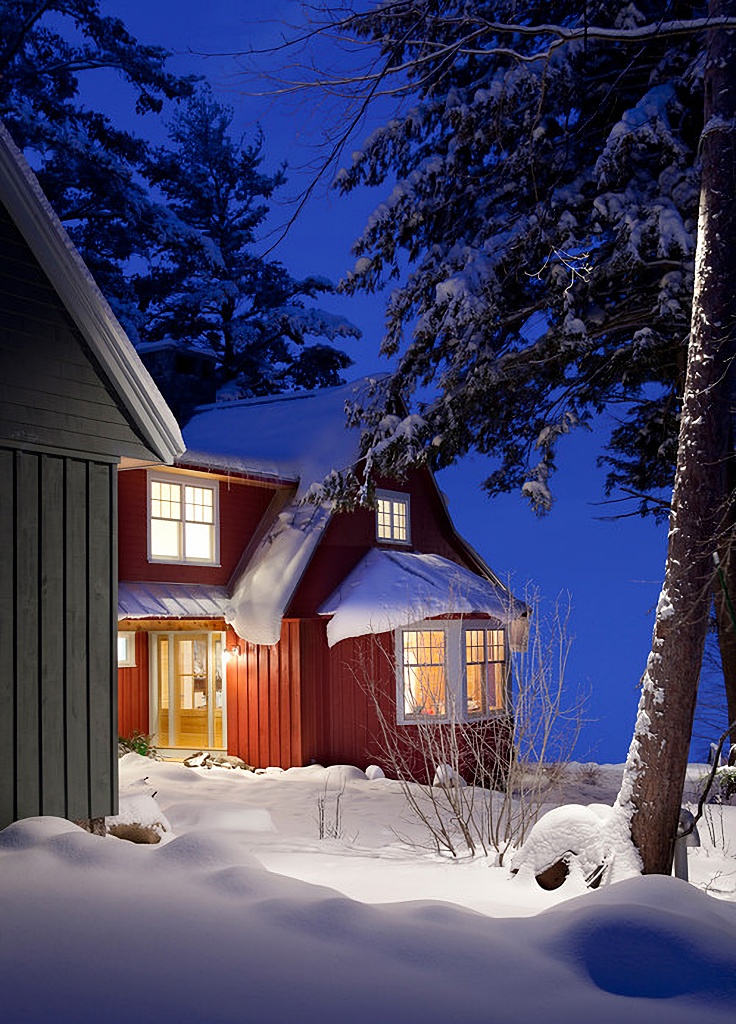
{"x": 298, "y": 439}
{"x": 124, "y": 373}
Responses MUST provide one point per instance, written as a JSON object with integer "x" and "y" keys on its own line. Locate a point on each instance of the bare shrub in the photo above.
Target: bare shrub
{"x": 493, "y": 773}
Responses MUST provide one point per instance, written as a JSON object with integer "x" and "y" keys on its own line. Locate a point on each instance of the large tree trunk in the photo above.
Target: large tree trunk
{"x": 655, "y": 769}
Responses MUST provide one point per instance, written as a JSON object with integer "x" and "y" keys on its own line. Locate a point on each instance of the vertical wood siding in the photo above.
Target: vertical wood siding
{"x": 362, "y": 679}
{"x": 133, "y": 691}
{"x": 57, "y": 622}
{"x": 51, "y": 391}
{"x": 263, "y": 703}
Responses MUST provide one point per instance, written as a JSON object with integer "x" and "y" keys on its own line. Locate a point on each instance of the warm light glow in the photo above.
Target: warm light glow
{"x": 183, "y": 522}
{"x": 424, "y": 672}
{"x": 392, "y": 517}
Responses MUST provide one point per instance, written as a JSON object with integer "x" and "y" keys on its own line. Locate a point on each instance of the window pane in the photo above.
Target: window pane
{"x": 199, "y": 538}
{"x": 399, "y": 520}
{"x": 475, "y": 671}
{"x": 496, "y": 667}
{"x": 123, "y": 647}
{"x": 165, "y": 538}
{"x": 485, "y": 670}
{"x": 383, "y": 513}
{"x": 392, "y": 518}
{"x": 424, "y": 672}
{"x": 165, "y": 500}
{"x": 199, "y": 504}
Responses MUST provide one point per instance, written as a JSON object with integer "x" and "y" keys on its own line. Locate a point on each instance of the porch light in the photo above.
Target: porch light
{"x": 231, "y": 652}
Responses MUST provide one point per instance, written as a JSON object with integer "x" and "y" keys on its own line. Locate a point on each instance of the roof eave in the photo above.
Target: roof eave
{"x": 85, "y": 303}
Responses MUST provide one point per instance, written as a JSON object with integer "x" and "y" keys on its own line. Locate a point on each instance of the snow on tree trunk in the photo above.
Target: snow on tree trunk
{"x": 655, "y": 769}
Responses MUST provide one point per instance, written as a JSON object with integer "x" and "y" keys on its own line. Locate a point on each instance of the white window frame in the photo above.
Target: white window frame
{"x": 456, "y": 679}
{"x": 129, "y": 660}
{"x": 167, "y": 748}
{"x": 398, "y": 499}
{"x": 184, "y": 480}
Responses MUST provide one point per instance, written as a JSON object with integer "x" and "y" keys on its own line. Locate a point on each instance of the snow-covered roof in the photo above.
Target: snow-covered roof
{"x": 262, "y": 592}
{"x": 388, "y": 589}
{"x": 296, "y": 437}
{"x": 125, "y": 373}
{"x": 299, "y": 436}
{"x": 173, "y": 600}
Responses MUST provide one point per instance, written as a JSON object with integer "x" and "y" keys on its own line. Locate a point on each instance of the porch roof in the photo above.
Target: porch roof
{"x": 173, "y": 600}
{"x": 388, "y": 589}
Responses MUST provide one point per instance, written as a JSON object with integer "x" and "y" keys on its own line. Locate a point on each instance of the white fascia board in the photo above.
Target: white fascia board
{"x": 85, "y": 303}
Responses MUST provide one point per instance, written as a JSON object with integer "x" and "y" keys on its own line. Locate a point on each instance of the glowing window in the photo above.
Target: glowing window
{"x": 126, "y": 650}
{"x": 182, "y": 521}
{"x": 451, "y": 670}
{"x": 392, "y": 517}
{"x": 424, "y": 676}
{"x": 485, "y": 670}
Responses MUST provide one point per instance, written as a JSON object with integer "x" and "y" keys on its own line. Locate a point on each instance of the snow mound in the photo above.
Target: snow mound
{"x": 570, "y": 833}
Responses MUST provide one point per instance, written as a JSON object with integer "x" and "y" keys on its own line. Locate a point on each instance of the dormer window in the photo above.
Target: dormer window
{"x": 182, "y": 520}
{"x": 392, "y": 517}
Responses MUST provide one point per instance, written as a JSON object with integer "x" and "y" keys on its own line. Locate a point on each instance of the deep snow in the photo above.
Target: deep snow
{"x": 244, "y": 914}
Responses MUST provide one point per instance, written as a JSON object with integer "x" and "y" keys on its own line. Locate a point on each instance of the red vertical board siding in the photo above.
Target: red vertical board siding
{"x": 361, "y": 671}
{"x": 315, "y": 707}
{"x": 133, "y": 703}
{"x": 264, "y": 726}
{"x": 232, "y": 696}
{"x": 242, "y": 507}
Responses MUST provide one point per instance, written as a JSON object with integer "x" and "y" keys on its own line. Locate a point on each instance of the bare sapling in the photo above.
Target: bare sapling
{"x": 476, "y": 783}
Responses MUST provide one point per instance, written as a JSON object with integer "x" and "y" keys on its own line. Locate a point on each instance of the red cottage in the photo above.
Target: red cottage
{"x": 285, "y": 632}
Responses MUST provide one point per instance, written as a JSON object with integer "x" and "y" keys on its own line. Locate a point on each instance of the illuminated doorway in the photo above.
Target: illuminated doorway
{"x": 187, "y": 694}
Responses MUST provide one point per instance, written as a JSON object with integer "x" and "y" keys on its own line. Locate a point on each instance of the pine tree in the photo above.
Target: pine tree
{"x": 547, "y": 212}
{"x": 548, "y": 178}
{"x": 89, "y": 168}
{"x": 207, "y": 286}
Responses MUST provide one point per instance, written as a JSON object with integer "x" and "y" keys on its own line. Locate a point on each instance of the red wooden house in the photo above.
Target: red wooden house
{"x": 285, "y": 632}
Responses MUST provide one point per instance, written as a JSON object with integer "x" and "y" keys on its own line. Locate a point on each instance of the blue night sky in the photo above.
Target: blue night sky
{"x": 611, "y": 570}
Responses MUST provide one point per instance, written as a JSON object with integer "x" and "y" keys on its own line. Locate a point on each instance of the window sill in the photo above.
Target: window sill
{"x": 187, "y": 561}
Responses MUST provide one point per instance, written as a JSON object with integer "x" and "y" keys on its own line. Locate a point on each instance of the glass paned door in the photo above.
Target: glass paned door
{"x": 188, "y": 690}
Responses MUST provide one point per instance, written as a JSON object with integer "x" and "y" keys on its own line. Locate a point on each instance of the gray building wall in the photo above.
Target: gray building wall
{"x": 61, "y": 433}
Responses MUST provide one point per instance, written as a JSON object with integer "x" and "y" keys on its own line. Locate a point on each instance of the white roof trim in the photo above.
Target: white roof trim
{"x": 75, "y": 286}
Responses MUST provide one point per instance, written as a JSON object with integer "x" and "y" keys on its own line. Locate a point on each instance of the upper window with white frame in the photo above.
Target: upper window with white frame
{"x": 450, "y": 670}
{"x": 392, "y": 517}
{"x": 182, "y": 519}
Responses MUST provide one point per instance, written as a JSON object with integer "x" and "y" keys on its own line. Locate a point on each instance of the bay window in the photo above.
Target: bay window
{"x": 450, "y": 670}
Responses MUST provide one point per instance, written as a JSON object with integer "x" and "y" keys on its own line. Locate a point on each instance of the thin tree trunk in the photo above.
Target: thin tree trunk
{"x": 724, "y": 594}
{"x": 655, "y": 769}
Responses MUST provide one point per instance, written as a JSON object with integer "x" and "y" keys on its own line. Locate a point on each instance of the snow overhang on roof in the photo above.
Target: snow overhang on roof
{"x": 389, "y": 589}
{"x": 263, "y": 591}
{"x": 300, "y": 438}
{"x": 173, "y": 600}
{"x": 75, "y": 286}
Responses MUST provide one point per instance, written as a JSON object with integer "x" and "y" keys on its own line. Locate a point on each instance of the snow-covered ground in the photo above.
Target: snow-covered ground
{"x": 243, "y": 913}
